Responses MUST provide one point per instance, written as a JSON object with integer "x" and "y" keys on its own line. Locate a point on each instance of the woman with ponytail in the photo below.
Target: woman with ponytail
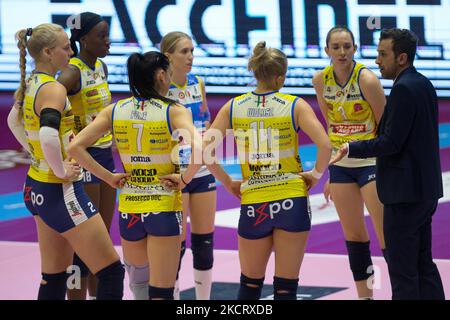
{"x": 275, "y": 214}
{"x": 150, "y": 213}
{"x": 86, "y": 83}
{"x": 66, "y": 219}
{"x": 199, "y": 197}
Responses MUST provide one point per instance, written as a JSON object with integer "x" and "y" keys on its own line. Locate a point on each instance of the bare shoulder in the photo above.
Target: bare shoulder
{"x": 54, "y": 90}
{"x": 317, "y": 79}
{"x": 368, "y": 77}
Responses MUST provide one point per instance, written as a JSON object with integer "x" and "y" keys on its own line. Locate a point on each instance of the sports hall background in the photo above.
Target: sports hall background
{"x": 224, "y": 32}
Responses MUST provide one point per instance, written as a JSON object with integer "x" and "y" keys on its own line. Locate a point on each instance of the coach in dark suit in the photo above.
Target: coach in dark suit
{"x": 409, "y": 179}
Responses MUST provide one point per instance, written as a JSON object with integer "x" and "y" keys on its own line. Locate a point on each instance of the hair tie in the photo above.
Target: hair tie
{"x": 29, "y": 32}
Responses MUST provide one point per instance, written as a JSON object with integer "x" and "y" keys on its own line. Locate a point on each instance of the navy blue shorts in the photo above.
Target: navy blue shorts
{"x": 258, "y": 220}
{"x": 134, "y": 227}
{"x": 102, "y": 156}
{"x": 359, "y": 175}
{"x": 62, "y": 206}
{"x": 202, "y": 184}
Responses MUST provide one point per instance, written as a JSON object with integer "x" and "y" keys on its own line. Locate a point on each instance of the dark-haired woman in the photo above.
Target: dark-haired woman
{"x": 352, "y": 101}
{"x": 85, "y": 82}
{"x": 150, "y": 213}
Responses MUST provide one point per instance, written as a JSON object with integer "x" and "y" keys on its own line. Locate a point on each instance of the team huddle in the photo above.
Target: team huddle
{"x": 63, "y": 116}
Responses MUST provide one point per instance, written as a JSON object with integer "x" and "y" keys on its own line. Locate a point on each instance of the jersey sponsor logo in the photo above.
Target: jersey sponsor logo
{"x": 211, "y": 185}
{"x": 91, "y": 93}
{"x": 257, "y": 112}
{"x": 134, "y": 219}
{"x": 243, "y": 100}
{"x": 330, "y": 98}
{"x": 354, "y": 97}
{"x": 260, "y": 156}
{"x": 74, "y": 209}
{"x": 357, "y": 107}
{"x": 279, "y": 100}
{"x": 154, "y": 188}
{"x": 89, "y": 82}
{"x": 153, "y": 141}
{"x": 148, "y": 197}
{"x": 273, "y": 209}
{"x": 282, "y": 136}
{"x": 155, "y": 104}
{"x": 346, "y": 129}
{"x": 265, "y": 168}
{"x": 196, "y": 97}
{"x": 138, "y": 115}
{"x": 138, "y": 159}
{"x": 143, "y": 175}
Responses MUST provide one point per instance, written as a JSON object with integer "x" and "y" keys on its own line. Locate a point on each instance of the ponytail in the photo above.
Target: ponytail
{"x": 21, "y": 38}
{"x": 142, "y": 70}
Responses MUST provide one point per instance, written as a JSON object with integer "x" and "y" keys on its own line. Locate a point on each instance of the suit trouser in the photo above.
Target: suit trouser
{"x": 407, "y": 232}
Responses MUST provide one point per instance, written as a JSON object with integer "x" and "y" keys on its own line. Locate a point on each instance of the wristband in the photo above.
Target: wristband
{"x": 182, "y": 180}
{"x": 316, "y": 174}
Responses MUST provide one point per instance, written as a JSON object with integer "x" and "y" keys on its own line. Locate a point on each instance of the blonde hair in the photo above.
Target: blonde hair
{"x": 267, "y": 63}
{"x": 34, "y": 40}
{"x": 170, "y": 41}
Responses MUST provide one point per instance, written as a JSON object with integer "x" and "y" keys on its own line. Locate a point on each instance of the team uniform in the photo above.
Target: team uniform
{"x": 93, "y": 96}
{"x": 273, "y": 195}
{"x": 62, "y": 205}
{"x": 190, "y": 95}
{"x": 350, "y": 118}
{"x": 143, "y": 137}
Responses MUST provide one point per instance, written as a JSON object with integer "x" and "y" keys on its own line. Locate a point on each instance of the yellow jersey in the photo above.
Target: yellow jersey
{"x": 93, "y": 96}
{"x": 350, "y": 116}
{"x": 143, "y": 136}
{"x": 40, "y": 169}
{"x": 267, "y": 145}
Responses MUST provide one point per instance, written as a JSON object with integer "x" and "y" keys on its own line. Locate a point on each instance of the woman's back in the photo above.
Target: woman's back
{"x": 143, "y": 137}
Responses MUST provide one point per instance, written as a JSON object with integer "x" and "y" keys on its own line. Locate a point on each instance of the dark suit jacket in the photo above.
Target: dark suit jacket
{"x": 407, "y": 146}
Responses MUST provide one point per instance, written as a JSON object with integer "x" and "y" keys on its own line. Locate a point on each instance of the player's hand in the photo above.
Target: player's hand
{"x": 172, "y": 181}
{"x": 309, "y": 179}
{"x": 118, "y": 180}
{"x": 234, "y": 187}
{"x": 326, "y": 191}
{"x": 72, "y": 169}
{"x": 340, "y": 154}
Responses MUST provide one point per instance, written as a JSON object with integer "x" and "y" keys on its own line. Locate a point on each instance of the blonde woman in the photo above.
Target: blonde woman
{"x": 199, "y": 196}
{"x": 66, "y": 218}
{"x": 275, "y": 213}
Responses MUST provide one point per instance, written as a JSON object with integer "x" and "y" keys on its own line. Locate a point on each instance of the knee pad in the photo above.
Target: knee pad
{"x": 360, "y": 260}
{"x": 55, "y": 286}
{"x": 138, "y": 280}
{"x": 252, "y": 292}
{"x": 160, "y": 293}
{"x": 285, "y": 289}
{"x": 202, "y": 250}
{"x": 110, "y": 282}
{"x": 182, "y": 252}
{"x": 84, "y": 270}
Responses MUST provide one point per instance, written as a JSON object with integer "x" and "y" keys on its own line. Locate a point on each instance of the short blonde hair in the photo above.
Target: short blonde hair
{"x": 267, "y": 63}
